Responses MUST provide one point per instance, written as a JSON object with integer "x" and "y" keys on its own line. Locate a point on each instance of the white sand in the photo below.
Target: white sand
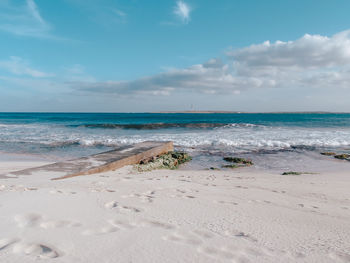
{"x": 175, "y": 216}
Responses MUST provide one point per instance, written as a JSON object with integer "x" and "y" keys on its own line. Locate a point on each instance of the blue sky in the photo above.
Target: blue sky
{"x": 109, "y": 55}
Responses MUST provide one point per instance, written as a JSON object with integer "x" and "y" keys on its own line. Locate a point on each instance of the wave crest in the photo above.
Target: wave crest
{"x": 155, "y": 126}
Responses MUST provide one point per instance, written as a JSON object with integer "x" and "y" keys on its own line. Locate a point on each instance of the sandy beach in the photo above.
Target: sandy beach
{"x": 177, "y": 131}
{"x": 243, "y": 215}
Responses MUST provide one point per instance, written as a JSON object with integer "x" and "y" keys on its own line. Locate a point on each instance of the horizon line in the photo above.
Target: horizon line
{"x": 184, "y": 112}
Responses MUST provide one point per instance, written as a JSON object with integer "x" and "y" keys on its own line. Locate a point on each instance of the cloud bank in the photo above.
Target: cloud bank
{"x": 311, "y": 62}
{"x": 312, "y": 72}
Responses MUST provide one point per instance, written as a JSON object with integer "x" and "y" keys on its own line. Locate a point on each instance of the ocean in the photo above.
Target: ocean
{"x": 208, "y": 136}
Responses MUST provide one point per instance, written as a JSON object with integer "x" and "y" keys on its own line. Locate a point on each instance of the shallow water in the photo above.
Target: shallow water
{"x": 259, "y": 136}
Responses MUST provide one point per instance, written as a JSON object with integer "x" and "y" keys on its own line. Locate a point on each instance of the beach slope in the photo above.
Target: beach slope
{"x": 175, "y": 216}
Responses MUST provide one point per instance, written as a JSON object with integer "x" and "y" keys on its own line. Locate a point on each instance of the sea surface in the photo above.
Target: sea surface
{"x": 208, "y": 136}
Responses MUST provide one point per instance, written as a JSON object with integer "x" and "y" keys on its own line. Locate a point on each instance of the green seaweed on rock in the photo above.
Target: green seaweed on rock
{"x": 182, "y": 157}
{"x": 231, "y": 166}
{"x": 292, "y": 173}
{"x": 238, "y": 160}
{"x": 343, "y": 156}
{"x": 296, "y": 173}
{"x": 170, "y": 160}
{"x": 328, "y": 153}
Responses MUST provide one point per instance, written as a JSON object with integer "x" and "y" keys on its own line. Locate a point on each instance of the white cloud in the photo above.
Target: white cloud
{"x": 23, "y": 20}
{"x": 18, "y": 66}
{"x": 310, "y": 51}
{"x": 303, "y": 62}
{"x": 33, "y": 9}
{"x": 310, "y": 62}
{"x": 210, "y": 78}
{"x": 182, "y": 10}
{"x": 121, "y": 17}
{"x": 312, "y": 71}
{"x": 119, "y": 13}
{"x": 76, "y": 72}
{"x": 103, "y": 13}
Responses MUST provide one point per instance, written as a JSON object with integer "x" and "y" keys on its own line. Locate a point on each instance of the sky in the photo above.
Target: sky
{"x": 169, "y": 55}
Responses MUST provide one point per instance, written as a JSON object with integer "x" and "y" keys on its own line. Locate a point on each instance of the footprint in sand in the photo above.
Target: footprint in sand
{"x": 56, "y": 191}
{"x": 153, "y": 223}
{"x": 30, "y": 189}
{"x": 28, "y": 220}
{"x": 239, "y": 234}
{"x": 127, "y": 178}
{"x": 130, "y": 209}
{"x": 100, "y": 230}
{"x": 310, "y": 207}
{"x": 111, "y": 204}
{"x": 184, "y": 180}
{"x": 195, "y": 237}
{"x": 6, "y": 242}
{"x": 243, "y": 252}
{"x": 146, "y": 197}
{"x": 225, "y": 202}
{"x": 340, "y": 257}
{"x": 181, "y": 193}
{"x": 127, "y": 225}
{"x": 101, "y": 190}
{"x": 183, "y": 238}
{"x": 58, "y": 224}
{"x": 117, "y": 224}
{"x": 199, "y": 239}
{"x": 109, "y": 190}
{"x": 37, "y": 250}
{"x": 203, "y": 233}
{"x": 17, "y": 188}
{"x": 122, "y": 208}
{"x": 242, "y": 187}
{"x": 216, "y": 252}
{"x": 32, "y": 249}
{"x": 211, "y": 178}
{"x": 260, "y": 201}
{"x": 37, "y": 220}
{"x": 122, "y": 224}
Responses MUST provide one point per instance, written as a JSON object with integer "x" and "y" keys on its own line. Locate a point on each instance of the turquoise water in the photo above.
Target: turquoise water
{"x": 268, "y": 119}
{"x": 67, "y": 135}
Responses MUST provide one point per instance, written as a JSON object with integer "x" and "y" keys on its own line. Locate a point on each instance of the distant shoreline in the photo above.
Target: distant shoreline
{"x": 184, "y": 112}
{"x": 246, "y": 112}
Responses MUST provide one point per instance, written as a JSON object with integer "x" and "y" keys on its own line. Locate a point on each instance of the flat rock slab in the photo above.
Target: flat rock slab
{"x": 101, "y": 162}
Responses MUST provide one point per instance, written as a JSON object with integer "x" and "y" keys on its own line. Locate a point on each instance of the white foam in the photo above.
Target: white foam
{"x": 247, "y": 136}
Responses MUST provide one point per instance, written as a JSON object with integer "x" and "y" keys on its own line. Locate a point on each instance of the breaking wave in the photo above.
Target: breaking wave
{"x": 153, "y": 126}
{"x": 90, "y": 138}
